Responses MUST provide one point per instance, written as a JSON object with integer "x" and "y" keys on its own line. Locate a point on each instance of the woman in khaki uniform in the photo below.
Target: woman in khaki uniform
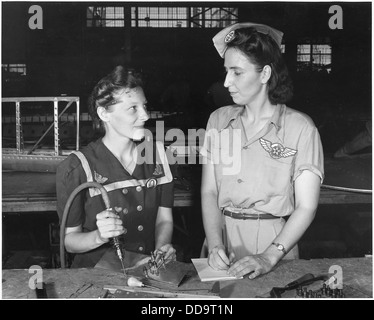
{"x": 264, "y": 161}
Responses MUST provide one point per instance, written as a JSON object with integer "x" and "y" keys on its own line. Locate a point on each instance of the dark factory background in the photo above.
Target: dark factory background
{"x": 80, "y": 42}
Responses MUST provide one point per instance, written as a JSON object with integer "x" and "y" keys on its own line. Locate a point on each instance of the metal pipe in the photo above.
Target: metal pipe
{"x": 326, "y": 186}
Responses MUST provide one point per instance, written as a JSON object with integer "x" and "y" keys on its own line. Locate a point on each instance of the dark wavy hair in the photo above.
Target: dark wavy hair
{"x": 103, "y": 94}
{"x": 261, "y": 49}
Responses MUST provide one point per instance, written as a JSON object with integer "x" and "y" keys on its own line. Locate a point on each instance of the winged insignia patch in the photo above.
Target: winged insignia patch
{"x": 158, "y": 170}
{"x": 99, "y": 178}
{"x": 276, "y": 150}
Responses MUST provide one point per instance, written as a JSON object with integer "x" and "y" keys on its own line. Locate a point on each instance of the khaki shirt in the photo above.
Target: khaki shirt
{"x": 258, "y": 176}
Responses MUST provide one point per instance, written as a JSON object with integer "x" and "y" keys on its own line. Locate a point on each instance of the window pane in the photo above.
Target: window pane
{"x": 303, "y": 48}
{"x": 17, "y": 68}
{"x": 177, "y": 17}
{"x": 105, "y": 17}
{"x": 314, "y": 57}
{"x": 322, "y": 48}
{"x": 322, "y": 55}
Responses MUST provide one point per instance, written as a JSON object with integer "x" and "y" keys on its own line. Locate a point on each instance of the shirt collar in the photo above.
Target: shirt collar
{"x": 233, "y": 114}
{"x": 276, "y": 119}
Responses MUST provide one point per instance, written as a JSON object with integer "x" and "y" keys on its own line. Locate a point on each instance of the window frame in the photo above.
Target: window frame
{"x": 174, "y": 17}
{"x": 107, "y": 19}
{"x": 313, "y": 46}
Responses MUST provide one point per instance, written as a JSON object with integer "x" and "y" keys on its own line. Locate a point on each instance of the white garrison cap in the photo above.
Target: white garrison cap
{"x": 223, "y": 37}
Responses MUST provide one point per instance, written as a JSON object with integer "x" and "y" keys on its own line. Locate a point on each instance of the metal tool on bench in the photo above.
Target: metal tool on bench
{"x": 276, "y": 292}
{"x": 154, "y": 264}
{"x": 138, "y": 289}
{"x": 163, "y": 271}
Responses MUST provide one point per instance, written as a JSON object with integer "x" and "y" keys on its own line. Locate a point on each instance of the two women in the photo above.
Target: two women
{"x": 255, "y": 209}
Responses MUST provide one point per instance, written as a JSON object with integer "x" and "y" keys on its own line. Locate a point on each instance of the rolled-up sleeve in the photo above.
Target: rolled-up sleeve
{"x": 310, "y": 154}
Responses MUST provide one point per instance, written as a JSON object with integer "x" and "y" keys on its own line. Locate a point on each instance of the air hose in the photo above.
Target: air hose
{"x": 105, "y": 197}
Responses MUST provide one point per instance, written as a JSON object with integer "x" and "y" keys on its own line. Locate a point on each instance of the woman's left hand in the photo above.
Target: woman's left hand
{"x": 253, "y": 265}
{"x": 167, "y": 250}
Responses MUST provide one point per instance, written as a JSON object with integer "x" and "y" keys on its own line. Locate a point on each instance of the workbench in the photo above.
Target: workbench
{"x": 91, "y": 283}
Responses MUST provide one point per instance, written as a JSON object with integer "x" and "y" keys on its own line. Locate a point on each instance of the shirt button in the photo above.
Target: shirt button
{"x": 140, "y": 228}
{"x": 138, "y": 188}
{"x": 125, "y": 191}
{"x": 124, "y": 230}
{"x": 139, "y": 208}
{"x": 125, "y": 211}
{"x": 240, "y": 180}
{"x": 141, "y": 248}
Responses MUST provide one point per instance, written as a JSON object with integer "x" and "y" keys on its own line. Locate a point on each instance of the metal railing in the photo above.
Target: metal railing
{"x": 20, "y": 150}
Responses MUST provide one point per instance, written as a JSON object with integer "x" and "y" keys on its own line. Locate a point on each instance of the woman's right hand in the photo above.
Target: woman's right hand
{"x": 218, "y": 259}
{"x": 109, "y": 225}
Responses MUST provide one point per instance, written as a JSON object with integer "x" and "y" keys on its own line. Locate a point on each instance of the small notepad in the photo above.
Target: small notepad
{"x": 207, "y": 273}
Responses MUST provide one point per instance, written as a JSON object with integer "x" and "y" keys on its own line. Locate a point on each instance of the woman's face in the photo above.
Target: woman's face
{"x": 127, "y": 117}
{"x": 242, "y": 79}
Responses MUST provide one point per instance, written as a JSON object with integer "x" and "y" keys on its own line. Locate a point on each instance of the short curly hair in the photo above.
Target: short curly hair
{"x": 103, "y": 94}
{"x": 262, "y": 50}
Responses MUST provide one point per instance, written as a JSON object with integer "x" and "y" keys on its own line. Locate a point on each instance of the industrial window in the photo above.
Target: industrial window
{"x": 18, "y": 68}
{"x": 183, "y": 17}
{"x": 314, "y": 57}
{"x": 105, "y": 17}
{"x": 214, "y": 17}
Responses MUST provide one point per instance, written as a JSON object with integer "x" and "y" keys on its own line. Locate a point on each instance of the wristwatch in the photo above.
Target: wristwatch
{"x": 280, "y": 247}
